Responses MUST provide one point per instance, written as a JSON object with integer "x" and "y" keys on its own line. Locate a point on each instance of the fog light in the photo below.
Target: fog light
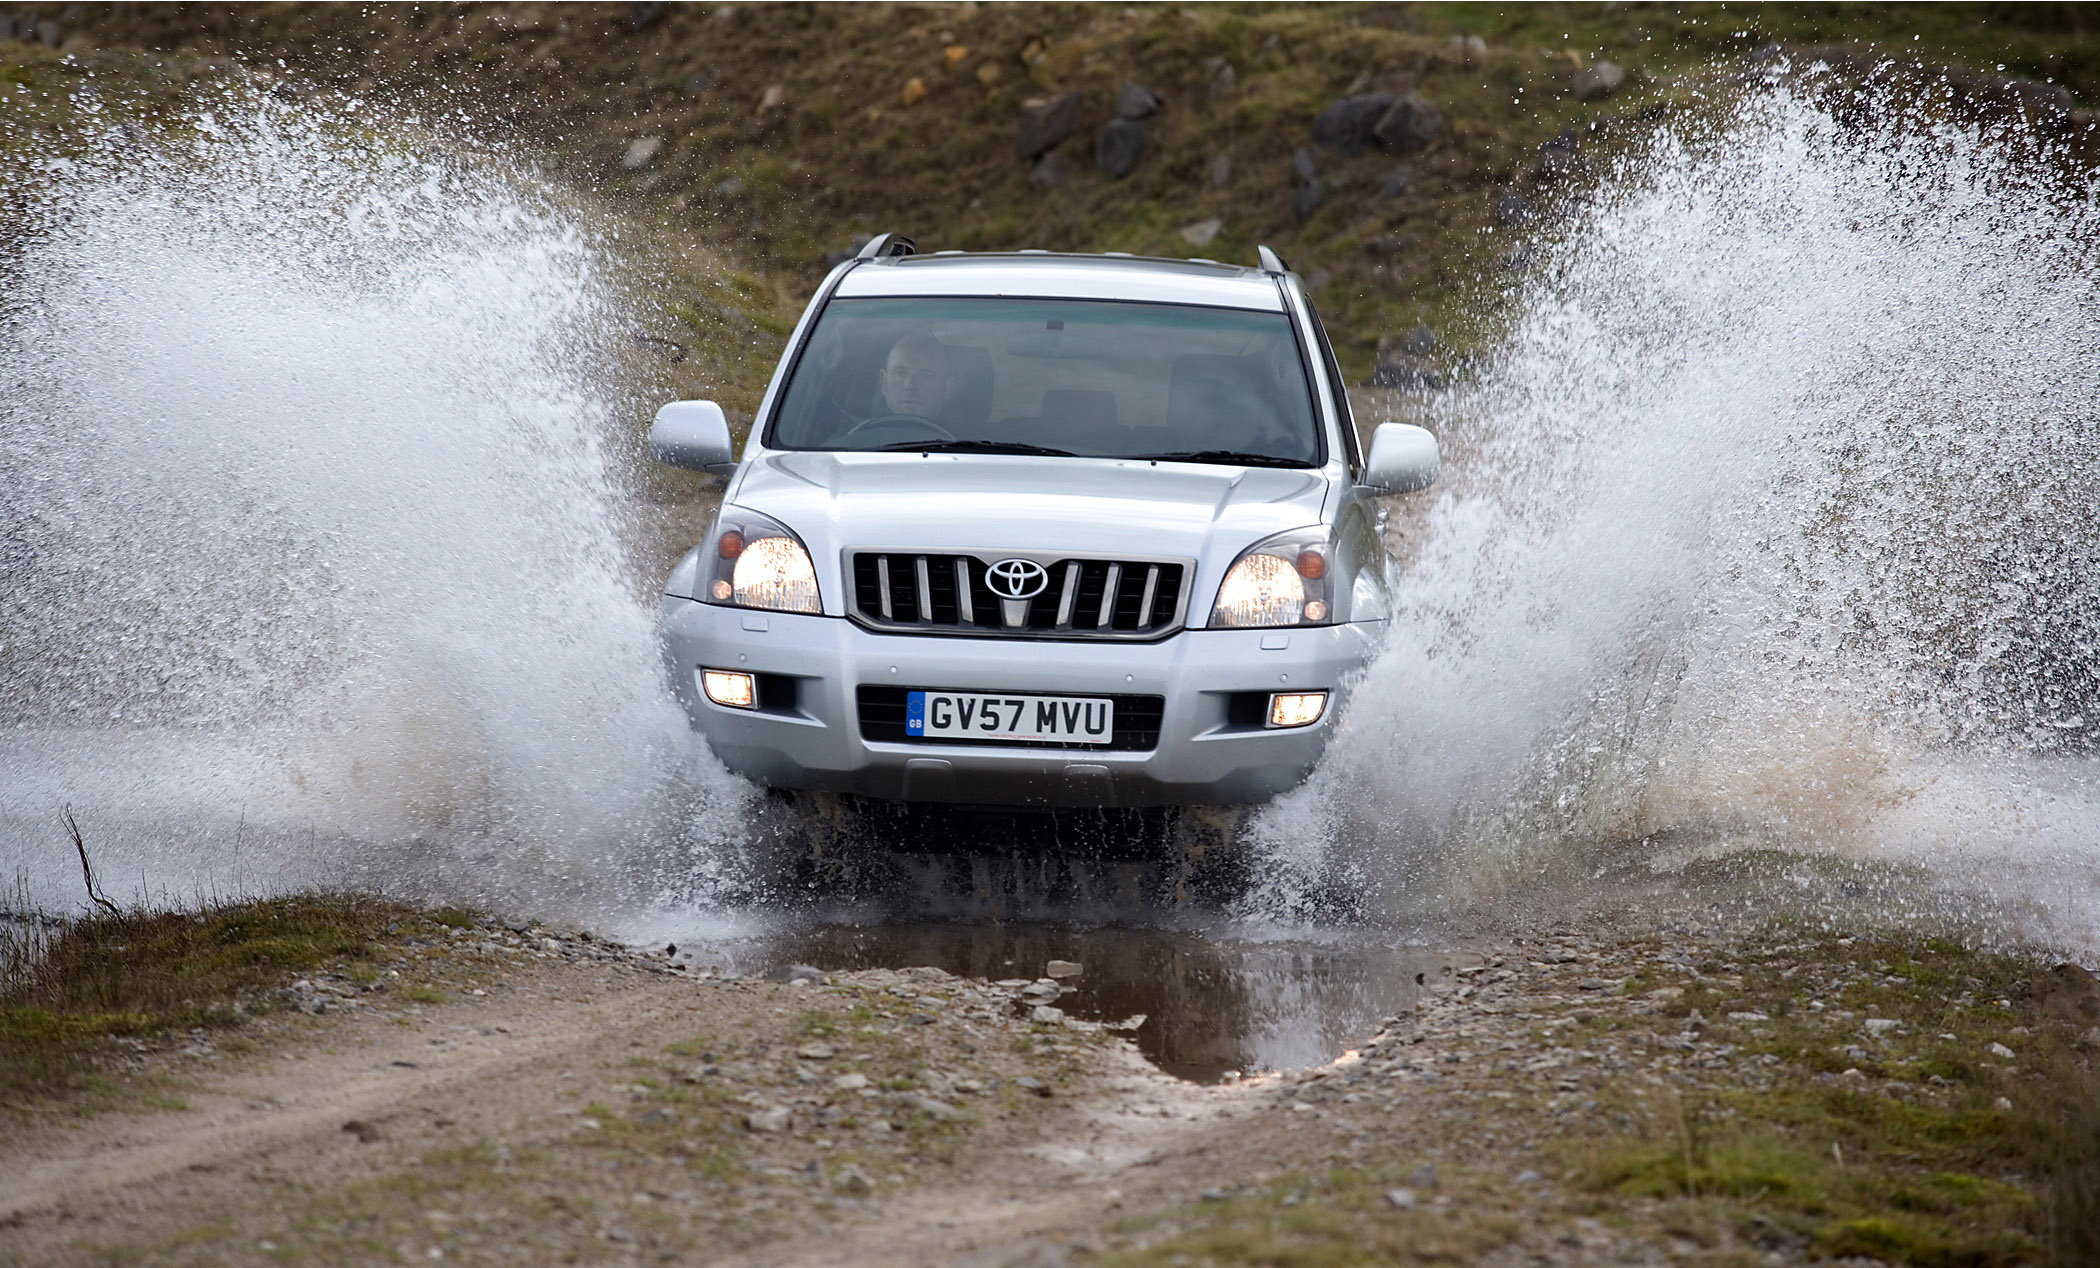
{"x": 1302, "y": 708}
{"x": 737, "y": 691}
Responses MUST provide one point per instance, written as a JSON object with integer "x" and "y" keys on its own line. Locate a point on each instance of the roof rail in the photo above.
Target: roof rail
{"x": 884, "y": 245}
{"x": 1270, "y": 261}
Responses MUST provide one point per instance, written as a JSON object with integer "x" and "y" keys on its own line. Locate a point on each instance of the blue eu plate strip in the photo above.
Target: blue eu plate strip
{"x": 915, "y": 713}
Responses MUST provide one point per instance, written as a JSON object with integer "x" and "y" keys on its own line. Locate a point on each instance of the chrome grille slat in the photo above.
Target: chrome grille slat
{"x": 1086, "y": 598}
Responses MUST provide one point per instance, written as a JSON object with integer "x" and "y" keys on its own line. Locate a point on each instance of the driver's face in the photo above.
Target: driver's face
{"x": 914, "y": 382}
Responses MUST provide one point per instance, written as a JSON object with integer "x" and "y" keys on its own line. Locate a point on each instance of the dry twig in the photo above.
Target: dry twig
{"x": 87, "y": 869}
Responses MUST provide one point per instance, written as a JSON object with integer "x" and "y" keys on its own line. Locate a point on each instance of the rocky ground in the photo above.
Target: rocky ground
{"x": 1683, "y": 1092}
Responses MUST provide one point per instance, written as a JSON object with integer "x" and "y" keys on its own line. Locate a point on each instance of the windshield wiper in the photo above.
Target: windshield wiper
{"x": 1231, "y": 456}
{"x": 976, "y": 446}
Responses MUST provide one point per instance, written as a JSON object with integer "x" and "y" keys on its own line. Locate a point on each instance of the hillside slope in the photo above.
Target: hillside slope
{"x": 778, "y": 134}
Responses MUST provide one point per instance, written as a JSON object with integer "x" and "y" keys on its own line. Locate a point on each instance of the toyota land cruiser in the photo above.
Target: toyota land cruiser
{"x": 1037, "y": 529}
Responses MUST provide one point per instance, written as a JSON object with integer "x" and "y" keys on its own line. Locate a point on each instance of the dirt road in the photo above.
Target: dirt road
{"x": 341, "y": 1111}
{"x": 1581, "y": 1096}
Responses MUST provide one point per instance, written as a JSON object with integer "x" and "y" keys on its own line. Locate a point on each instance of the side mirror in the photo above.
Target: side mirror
{"x": 693, "y": 435}
{"x": 1403, "y": 458}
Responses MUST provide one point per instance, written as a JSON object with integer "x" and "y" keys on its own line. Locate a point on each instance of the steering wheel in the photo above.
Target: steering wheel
{"x": 885, "y": 429}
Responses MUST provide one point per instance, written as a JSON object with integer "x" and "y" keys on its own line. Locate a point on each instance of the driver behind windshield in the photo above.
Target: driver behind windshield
{"x": 917, "y": 378}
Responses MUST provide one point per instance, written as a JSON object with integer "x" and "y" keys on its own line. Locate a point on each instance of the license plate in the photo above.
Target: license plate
{"x": 968, "y": 715}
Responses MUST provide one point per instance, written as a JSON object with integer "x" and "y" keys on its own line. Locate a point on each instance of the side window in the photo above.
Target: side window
{"x": 1340, "y": 393}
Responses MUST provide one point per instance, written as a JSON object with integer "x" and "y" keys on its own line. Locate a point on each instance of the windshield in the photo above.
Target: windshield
{"x": 1088, "y": 378}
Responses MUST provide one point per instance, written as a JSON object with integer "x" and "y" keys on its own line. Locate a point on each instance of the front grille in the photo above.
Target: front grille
{"x": 1137, "y": 723}
{"x": 951, "y": 594}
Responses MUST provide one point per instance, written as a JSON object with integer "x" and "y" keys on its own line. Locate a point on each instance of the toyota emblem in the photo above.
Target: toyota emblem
{"x": 1016, "y": 578}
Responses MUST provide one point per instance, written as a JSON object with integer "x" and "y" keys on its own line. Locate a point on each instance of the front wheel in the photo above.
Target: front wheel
{"x": 1208, "y": 855}
{"x": 813, "y": 849}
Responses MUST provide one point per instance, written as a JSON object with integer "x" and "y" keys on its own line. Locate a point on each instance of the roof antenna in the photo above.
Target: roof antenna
{"x": 1270, "y": 261}
{"x": 884, "y": 245}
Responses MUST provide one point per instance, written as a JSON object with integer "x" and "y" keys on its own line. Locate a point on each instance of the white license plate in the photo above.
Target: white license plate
{"x": 969, "y": 715}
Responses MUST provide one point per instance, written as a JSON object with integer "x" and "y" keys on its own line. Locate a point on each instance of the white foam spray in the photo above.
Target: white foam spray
{"x": 312, "y": 527}
{"x": 1774, "y": 522}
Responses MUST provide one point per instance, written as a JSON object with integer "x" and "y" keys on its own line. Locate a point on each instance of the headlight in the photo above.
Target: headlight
{"x": 758, "y": 563}
{"x": 1280, "y": 581}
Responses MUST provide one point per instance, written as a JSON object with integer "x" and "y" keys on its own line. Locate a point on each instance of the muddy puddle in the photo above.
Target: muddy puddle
{"x": 1212, "y": 1007}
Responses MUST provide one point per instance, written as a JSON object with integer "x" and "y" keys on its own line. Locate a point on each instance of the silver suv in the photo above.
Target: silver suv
{"x": 1037, "y": 529}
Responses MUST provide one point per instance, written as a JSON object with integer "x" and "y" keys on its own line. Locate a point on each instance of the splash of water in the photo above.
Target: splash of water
{"x": 312, "y": 529}
{"x": 1774, "y": 522}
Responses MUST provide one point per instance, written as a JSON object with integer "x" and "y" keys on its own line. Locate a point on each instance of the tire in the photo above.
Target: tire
{"x": 1209, "y": 864}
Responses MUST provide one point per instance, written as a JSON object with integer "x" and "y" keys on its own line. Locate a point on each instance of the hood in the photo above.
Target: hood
{"x": 985, "y": 503}
{"x": 980, "y": 502}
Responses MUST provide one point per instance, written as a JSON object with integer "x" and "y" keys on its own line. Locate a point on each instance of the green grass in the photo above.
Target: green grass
{"x": 1785, "y": 1151}
{"x": 1998, "y": 1168}
{"x": 1934, "y": 1218}
{"x": 148, "y": 975}
{"x": 1329, "y": 1219}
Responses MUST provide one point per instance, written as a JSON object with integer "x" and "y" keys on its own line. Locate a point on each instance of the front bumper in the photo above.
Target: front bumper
{"x": 814, "y": 740}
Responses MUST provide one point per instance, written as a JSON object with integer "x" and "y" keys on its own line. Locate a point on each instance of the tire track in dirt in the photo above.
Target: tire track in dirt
{"x": 288, "y": 1115}
{"x": 358, "y": 1098}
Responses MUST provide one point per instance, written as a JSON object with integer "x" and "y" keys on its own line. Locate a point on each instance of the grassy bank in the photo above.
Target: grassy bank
{"x": 1774, "y": 1098}
{"x": 83, "y": 1002}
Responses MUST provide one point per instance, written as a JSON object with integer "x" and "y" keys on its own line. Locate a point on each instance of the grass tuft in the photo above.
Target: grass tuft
{"x": 1915, "y": 1148}
{"x": 68, "y": 989}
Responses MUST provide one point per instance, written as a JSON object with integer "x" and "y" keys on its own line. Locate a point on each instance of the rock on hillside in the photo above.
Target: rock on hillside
{"x": 1045, "y": 123}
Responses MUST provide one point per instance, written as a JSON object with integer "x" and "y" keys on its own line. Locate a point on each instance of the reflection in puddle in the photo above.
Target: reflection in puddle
{"x": 1211, "y": 1007}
